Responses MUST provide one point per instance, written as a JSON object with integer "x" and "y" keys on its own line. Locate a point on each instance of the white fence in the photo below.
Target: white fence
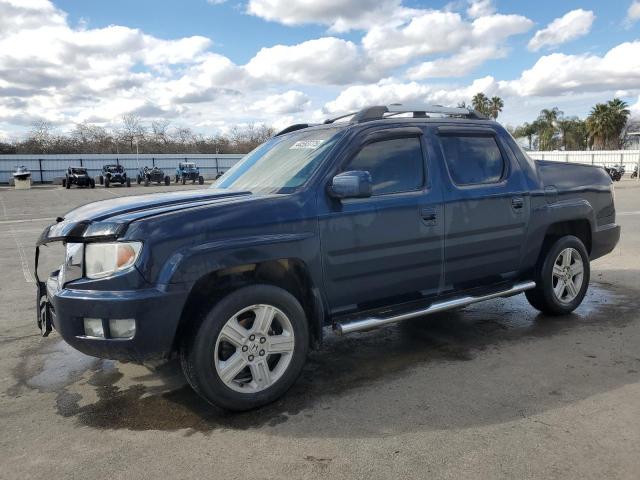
{"x": 604, "y": 158}
{"x": 44, "y": 168}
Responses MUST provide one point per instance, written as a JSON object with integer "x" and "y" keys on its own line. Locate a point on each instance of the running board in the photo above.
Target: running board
{"x": 374, "y": 322}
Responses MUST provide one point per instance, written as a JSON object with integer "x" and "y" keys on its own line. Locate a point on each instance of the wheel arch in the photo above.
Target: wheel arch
{"x": 290, "y": 274}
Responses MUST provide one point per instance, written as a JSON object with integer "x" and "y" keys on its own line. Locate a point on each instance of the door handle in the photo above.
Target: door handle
{"x": 429, "y": 215}
{"x": 517, "y": 203}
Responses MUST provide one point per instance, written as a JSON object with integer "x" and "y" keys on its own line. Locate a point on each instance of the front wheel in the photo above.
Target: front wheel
{"x": 128, "y": 182}
{"x": 167, "y": 180}
{"x": 562, "y": 278}
{"x": 248, "y": 350}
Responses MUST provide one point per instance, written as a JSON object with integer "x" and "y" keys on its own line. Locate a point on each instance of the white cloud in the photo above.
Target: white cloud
{"x": 291, "y": 101}
{"x": 437, "y": 32}
{"x": 327, "y": 60}
{"x": 558, "y": 74}
{"x": 633, "y": 14}
{"x": 339, "y": 15}
{"x": 570, "y": 26}
{"x": 457, "y": 65}
{"x": 483, "y": 42}
{"x": 387, "y": 92}
{"x": 480, "y": 8}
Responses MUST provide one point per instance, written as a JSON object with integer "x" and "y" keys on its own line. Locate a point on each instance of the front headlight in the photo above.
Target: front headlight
{"x": 71, "y": 269}
{"x": 104, "y": 259}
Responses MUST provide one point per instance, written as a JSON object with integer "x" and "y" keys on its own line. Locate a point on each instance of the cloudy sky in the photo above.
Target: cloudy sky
{"x": 209, "y": 64}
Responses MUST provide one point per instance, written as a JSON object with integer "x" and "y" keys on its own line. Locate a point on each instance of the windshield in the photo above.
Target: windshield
{"x": 78, "y": 170}
{"x": 282, "y": 164}
{"x": 114, "y": 168}
{"x": 188, "y": 165}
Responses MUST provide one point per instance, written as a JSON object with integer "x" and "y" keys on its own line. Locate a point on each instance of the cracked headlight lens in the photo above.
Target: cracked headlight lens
{"x": 104, "y": 259}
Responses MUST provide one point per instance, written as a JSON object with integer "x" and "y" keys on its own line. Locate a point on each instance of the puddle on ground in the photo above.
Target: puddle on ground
{"x": 111, "y": 395}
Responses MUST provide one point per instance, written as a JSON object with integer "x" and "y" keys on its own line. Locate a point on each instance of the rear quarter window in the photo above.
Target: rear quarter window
{"x": 473, "y": 159}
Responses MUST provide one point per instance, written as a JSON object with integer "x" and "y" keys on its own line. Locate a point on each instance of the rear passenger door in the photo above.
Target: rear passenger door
{"x": 486, "y": 208}
{"x": 389, "y": 245}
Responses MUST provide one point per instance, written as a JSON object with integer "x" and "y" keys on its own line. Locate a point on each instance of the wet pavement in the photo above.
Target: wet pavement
{"x": 494, "y": 390}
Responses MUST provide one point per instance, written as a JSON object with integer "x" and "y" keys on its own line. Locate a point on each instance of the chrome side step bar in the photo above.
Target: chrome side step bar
{"x": 374, "y": 322}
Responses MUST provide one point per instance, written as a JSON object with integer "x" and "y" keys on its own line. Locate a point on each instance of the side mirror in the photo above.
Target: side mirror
{"x": 355, "y": 184}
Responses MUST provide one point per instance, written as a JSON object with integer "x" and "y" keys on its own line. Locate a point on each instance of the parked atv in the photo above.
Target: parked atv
{"x": 78, "y": 176}
{"x": 147, "y": 175}
{"x": 616, "y": 172}
{"x": 188, "y": 171}
{"x": 114, "y": 174}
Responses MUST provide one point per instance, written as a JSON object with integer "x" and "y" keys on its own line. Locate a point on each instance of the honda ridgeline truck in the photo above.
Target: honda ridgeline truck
{"x": 354, "y": 224}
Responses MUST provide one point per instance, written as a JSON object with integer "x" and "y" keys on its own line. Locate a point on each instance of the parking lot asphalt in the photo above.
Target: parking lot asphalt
{"x": 495, "y": 390}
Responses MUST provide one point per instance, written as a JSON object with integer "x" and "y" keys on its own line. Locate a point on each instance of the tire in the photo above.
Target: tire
{"x": 101, "y": 180}
{"x": 67, "y": 184}
{"x": 184, "y": 180}
{"x": 128, "y": 182}
{"x": 167, "y": 180}
{"x": 544, "y": 297}
{"x": 201, "y": 180}
{"x": 107, "y": 182}
{"x": 138, "y": 179}
{"x": 205, "y": 342}
{"x": 146, "y": 181}
{"x": 177, "y": 178}
{"x": 92, "y": 183}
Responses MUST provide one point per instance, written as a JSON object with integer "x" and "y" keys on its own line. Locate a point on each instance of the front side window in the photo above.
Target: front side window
{"x": 473, "y": 159}
{"x": 395, "y": 165}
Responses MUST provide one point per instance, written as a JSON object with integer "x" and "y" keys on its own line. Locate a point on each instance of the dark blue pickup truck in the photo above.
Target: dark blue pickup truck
{"x": 396, "y": 213}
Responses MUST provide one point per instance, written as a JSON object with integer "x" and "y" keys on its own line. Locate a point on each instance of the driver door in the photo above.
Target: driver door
{"x": 389, "y": 246}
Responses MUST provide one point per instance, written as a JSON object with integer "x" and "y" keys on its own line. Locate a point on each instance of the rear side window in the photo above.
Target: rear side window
{"x": 395, "y": 165}
{"x": 472, "y": 159}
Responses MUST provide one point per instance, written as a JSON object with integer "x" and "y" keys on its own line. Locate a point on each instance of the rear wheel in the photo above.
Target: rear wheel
{"x": 146, "y": 181}
{"x": 67, "y": 183}
{"x": 249, "y": 349}
{"x": 92, "y": 183}
{"x": 107, "y": 182}
{"x": 167, "y": 180}
{"x": 184, "y": 180}
{"x": 562, "y": 278}
{"x": 138, "y": 179}
{"x": 100, "y": 179}
{"x": 201, "y": 180}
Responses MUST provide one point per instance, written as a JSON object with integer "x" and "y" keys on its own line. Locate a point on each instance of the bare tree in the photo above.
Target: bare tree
{"x": 160, "y": 130}
{"x": 131, "y": 130}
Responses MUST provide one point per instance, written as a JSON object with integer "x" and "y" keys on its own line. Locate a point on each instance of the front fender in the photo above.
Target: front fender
{"x": 189, "y": 264}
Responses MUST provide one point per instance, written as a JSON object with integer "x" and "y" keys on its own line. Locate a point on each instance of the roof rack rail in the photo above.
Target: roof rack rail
{"x": 293, "y": 128}
{"x": 379, "y": 112}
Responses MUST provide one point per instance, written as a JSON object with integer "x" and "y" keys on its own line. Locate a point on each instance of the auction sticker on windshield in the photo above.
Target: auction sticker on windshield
{"x": 306, "y": 145}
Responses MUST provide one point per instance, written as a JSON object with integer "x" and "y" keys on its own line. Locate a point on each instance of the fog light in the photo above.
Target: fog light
{"x": 122, "y": 327}
{"x": 93, "y": 327}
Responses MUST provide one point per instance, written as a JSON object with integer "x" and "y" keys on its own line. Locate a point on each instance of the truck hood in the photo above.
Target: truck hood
{"x": 109, "y": 218}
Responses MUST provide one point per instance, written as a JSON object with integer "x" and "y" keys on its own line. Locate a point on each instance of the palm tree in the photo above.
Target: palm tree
{"x": 495, "y": 107}
{"x": 480, "y": 103}
{"x": 547, "y": 124}
{"x": 606, "y": 123}
{"x": 527, "y": 130}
